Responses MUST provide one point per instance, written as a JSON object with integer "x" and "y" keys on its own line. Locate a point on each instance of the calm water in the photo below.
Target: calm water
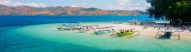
{"x": 38, "y": 33}
{"x": 30, "y": 20}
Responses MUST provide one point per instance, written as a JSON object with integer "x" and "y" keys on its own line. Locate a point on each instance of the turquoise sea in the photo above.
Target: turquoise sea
{"x": 38, "y": 33}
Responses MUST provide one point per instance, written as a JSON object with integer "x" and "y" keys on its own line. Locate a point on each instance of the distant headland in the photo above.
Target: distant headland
{"x": 65, "y": 11}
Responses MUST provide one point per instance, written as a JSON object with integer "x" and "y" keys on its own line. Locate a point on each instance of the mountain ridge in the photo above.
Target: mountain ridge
{"x": 73, "y": 11}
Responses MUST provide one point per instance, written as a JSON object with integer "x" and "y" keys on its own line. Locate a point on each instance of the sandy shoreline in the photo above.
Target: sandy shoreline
{"x": 150, "y": 32}
{"x": 145, "y": 42}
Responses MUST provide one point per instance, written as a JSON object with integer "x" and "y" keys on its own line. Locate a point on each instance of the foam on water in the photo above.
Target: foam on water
{"x": 48, "y": 32}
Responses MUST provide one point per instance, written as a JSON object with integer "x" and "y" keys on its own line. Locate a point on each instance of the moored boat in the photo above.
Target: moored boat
{"x": 69, "y": 26}
{"x": 100, "y": 32}
{"x": 125, "y": 32}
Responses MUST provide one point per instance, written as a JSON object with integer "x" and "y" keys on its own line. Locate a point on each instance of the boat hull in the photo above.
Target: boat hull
{"x": 100, "y": 33}
{"x": 124, "y": 34}
{"x": 168, "y": 35}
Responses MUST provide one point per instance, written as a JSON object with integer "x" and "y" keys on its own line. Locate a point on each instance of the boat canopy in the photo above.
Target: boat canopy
{"x": 72, "y": 24}
{"x": 168, "y": 30}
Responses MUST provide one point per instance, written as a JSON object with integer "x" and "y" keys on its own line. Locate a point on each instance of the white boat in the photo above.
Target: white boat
{"x": 69, "y": 26}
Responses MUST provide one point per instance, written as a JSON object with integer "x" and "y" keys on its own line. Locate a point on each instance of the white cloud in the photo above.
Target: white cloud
{"x": 92, "y": 5}
{"x": 43, "y": 5}
{"x": 5, "y": 2}
{"x": 123, "y": 2}
{"x": 120, "y": 8}
{"x": 147, "y": 4}
{"x": 29, "y": 4}
{"x": 131, "y": 5}
{"x": 83, "y": 3}
{"x": 11, "y": 3}
{"x": 141, "y": 0}
{"x": 138, "y": 4}
{"x": 74, "y": 5}
{"x": 137, "y": 8}
{"x": 111, "y": 6}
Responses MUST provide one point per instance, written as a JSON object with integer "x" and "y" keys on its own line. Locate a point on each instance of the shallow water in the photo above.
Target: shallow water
{"x": 39, "y": 33}
{"x": 48, "y": 33}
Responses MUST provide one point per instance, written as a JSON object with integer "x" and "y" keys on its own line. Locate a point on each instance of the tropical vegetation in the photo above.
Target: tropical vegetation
{"x": 171, "y": 10}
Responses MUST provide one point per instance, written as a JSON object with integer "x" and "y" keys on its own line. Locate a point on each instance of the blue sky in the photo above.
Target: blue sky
{"x": 101, "y": 4}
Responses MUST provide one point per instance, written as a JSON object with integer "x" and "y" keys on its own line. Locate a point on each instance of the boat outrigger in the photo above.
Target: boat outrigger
{"x": 168, "y": 33}
{"x": 69, "y": 26}
{"x": 125, "y": 32}
{"x": 82, "y": 30}
{"x": 102, "y": 31}
{"x": 87, "y": 28}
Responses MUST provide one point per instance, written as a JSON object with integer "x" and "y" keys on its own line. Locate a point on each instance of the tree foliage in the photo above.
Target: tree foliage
{"x": 171, "y": 9}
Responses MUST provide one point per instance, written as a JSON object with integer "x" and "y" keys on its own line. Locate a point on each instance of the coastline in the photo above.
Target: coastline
{"x": 48, "y": 32}
{"x": 74, "y": 15}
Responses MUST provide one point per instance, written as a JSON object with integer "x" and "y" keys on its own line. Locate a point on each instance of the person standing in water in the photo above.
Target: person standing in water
{"x": 80, "y": 28}
{"x": 189, "y": 29}
{"x": 165, "y": 24}
{"x": 154, "y": 26}
{"x": 182, "y": 27}
{"x": 113, "y": 31}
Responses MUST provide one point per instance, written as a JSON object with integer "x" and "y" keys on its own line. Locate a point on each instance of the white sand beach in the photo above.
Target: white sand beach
{"x": 151, "y": 32}
{"x": 144, "y": 42}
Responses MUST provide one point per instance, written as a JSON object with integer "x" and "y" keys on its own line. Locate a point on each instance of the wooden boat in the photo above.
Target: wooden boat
{"x": 126, "y": 32}
{"x": 69, "y": 26}
{"x": 100, "y": 32}
{"x": 59, "y": 28}
{"x": 83, "y": 30}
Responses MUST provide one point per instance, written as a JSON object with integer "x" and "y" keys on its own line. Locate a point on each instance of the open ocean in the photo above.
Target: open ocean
{"x": 38, "y": 33}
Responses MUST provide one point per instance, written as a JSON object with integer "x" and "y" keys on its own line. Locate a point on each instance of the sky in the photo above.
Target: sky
{"x": 101, "y": 4}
